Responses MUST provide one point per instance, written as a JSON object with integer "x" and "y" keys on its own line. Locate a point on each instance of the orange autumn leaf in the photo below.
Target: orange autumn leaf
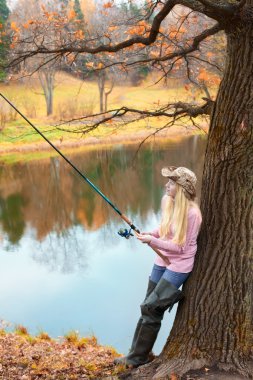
{"x": 173, "y": 34}
{"x": 28, "y": 23}
{"x": 79, "y": 34}
{"x": 203, "y": 75}
{"x": 109, "y": 4}
{"x": 14, "y": 26}
{"x": 71, "y": 14}
{"x": 112, "y": 28}
{"x": 89, "y": 65}
{"x": 141, "y": 28}
{"x": 154, "y": 54}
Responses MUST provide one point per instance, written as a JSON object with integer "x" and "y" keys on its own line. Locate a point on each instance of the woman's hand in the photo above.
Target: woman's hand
{"x": 144, "y": 237}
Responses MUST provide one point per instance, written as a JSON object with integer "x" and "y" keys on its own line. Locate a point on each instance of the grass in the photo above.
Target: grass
{"x": 73, "y": 98}
{"x": 21, "y": 330}
{"x": 72, "y": 337}
{"x": 43, "y": 336}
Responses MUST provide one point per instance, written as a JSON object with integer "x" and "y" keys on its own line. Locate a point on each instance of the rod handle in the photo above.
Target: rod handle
{"x": 128, "y": 221}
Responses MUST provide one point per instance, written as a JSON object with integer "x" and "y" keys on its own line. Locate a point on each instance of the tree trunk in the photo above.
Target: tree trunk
{"x": 107, "y": 93}
{"x": 214, "y": 324}
{"x": 101, "y": 87}
{"x": 46, "y": 77}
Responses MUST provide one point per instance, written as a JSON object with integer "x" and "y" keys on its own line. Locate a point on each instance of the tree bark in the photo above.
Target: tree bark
{"x": 214, "y": 324}
{"x": 46, "y": 77}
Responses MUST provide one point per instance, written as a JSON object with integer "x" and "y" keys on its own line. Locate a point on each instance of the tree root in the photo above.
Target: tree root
{"x": 185, "y": 368}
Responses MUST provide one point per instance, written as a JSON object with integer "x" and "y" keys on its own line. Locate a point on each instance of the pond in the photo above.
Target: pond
{"x": 63, "y": 265}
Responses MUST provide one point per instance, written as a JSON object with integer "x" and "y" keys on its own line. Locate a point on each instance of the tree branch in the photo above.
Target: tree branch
{"x": 171, "y": 110}
{"x": 219, "y": 11}
{"x": 219, "y": 6}
{"x": 101, "y": 48}
{"x": 183, "y": 52}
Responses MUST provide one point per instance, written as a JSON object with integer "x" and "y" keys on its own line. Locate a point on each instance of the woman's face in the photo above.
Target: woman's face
{"x": 171, "y": 188}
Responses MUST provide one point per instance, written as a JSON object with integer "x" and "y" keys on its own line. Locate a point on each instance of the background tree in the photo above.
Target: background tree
{"x": 4, "y": 45}
{"x": 78, "y": 11}
{"x": 214, "y": 324}
{"x": 34, "y": 13}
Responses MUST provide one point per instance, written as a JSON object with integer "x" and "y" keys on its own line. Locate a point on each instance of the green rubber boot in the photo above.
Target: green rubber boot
{"x": 164, "y": 296}
{"x": 151, "y": 287}
{"x": 123, "y": 360}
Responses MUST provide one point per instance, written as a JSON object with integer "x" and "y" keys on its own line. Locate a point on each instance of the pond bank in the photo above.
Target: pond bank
{"x": 25, "y": 357}
{"x": 37, "y": 150}
{"x": 173, "y": 133}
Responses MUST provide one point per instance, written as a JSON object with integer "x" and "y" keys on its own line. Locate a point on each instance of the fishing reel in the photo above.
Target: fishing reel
{"x": 123, "y": 232}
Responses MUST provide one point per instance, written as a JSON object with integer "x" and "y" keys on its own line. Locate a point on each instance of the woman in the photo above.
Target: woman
{"x": 176, "y": 238}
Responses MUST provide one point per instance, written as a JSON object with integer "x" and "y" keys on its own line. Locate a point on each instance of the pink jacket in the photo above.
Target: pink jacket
{"x": 181, "y": 257}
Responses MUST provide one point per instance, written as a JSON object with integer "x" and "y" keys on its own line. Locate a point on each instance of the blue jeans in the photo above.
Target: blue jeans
{"x": 175, "y": 278}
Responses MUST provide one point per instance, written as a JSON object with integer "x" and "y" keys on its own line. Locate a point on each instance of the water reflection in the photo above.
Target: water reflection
{"x": 61, "y": 261}
{"x": 50, "y": 197}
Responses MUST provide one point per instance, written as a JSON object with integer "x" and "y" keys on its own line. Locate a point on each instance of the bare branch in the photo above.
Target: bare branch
{"x": 171, "y": 110}
{"x": 207, "y": 62}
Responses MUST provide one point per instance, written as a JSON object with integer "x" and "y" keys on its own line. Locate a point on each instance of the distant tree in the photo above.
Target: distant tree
{"x": 4, "y": 41}
{"x": 78, "y": 11}
{"x": 34, "y": 12}
{"x": 4, "y": 10}
{"x": 64, "y": 3}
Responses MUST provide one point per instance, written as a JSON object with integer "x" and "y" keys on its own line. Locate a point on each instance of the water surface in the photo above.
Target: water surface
{"x": 62, "y": 264}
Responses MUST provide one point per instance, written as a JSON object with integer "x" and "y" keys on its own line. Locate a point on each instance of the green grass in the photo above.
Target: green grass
{"x": 74, "y": 98}
{"x": 11, "y": 158}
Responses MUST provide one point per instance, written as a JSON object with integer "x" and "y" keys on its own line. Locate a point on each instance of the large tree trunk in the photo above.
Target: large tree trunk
{"x": 214, "y": 324}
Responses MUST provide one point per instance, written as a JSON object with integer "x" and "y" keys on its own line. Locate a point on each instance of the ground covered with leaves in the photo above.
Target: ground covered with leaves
{"x": 24, "y": 357}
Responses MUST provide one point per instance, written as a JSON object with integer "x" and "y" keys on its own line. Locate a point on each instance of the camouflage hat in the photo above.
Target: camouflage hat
{"x": 184, "y": 177}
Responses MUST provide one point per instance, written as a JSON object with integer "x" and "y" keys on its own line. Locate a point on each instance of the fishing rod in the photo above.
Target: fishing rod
{"x": 122, "y": 232}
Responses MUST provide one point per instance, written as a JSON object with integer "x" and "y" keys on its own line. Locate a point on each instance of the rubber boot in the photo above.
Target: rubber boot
{"x": 164, "y": 296}
{"x": 123, "y": 360}
{"x": 151, "y": 287}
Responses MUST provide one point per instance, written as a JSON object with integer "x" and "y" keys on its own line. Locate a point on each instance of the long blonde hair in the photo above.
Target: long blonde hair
{"x": 174, "y": 216}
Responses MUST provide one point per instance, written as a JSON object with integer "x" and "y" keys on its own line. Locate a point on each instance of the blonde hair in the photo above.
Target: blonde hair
{"x": 175, "y": 214}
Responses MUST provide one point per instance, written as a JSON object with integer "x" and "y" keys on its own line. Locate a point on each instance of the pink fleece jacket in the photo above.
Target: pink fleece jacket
{"x": 181, "y": 257}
